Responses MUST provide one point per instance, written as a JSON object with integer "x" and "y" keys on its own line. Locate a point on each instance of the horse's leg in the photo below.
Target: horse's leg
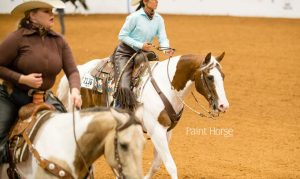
{"x": 159, "y": 139}
{"x": 156, "y": 163}
{"x": 74, "y": 4}
{"x": 83, "y": 3}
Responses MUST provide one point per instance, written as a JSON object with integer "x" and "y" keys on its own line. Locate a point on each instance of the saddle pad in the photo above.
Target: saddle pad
{"x": 99, "y": 78}
{"x": 96, "y": 83}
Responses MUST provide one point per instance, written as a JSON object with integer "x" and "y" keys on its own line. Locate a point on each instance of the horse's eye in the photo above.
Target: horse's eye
{"x": 210, "y": 77}
{"x": 124, "y": 147}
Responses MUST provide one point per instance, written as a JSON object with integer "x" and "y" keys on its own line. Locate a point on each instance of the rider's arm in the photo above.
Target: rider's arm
{"x": 69, "y": 66}
{"x": 126, "y": 30}
{"x": 8, "y": 52}
{"x": 161, "y": 34}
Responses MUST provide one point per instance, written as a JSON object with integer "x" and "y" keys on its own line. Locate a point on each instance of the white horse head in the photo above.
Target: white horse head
{"x": 116, "y": 135}
{"x": 207, "y": 75}
{"x": 130, "y": 151}
{"x": 210, "y": 83}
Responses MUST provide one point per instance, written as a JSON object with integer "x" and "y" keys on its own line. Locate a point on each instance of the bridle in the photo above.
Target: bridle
{"x": 210, "y": 93}
{"x": 119, "y": 171}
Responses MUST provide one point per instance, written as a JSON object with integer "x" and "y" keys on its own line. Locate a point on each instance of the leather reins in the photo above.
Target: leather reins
{"x": 210, "y": 115}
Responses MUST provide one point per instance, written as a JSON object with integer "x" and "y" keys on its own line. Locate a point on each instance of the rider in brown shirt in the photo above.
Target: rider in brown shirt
{"x": 25, "y": 52}
{"x": 30, "y": 59}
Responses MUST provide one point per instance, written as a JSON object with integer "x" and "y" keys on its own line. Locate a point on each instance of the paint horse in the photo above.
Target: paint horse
{"x": 173, "y": 80}
{"x": 98, "y": 131}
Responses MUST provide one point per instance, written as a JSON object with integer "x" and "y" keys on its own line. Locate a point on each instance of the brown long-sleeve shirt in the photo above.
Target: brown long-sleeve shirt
{"x": 25, "y": 51}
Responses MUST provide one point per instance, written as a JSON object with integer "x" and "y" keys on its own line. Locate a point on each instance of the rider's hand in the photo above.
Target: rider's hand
{"x": 169, "y": 52}
{"x": 147, "y": 46}
{"x": 33, "y": 80}
{"x": 76, "y": 98}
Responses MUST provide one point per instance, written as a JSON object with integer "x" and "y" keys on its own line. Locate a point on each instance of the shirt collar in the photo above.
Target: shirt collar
{"x": 31, "y": 31}
{"x": 142, "y": 12}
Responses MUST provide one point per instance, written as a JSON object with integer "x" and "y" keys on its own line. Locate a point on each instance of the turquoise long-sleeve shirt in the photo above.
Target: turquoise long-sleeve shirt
{"x": 138, "y": 29}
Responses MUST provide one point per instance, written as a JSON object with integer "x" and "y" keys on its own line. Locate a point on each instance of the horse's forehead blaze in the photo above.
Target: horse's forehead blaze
{"x": 221, "y": 72}
{"x": 126, "y": 135}
{"x": 132, "y": 132}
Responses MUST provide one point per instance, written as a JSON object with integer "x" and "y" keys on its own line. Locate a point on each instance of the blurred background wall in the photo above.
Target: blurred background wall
{"x": 253, "y": 8}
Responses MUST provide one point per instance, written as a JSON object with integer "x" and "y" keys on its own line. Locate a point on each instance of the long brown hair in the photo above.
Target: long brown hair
{"x": 141, "y": 5}
{"x": 25, "y": 21}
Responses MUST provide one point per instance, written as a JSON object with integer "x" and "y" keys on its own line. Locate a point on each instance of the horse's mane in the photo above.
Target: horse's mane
{"x": 94, "y": 109}
{"x": 101, "y": 109}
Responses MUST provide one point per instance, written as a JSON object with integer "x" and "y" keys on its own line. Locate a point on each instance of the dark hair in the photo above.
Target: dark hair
{"x": 141, "y": 5}
{"x": 25, "y": 21}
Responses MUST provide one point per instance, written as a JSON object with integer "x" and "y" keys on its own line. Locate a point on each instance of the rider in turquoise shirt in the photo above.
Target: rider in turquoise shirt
{"x": 136, "y": 35}
{"x": 139, "y": 29}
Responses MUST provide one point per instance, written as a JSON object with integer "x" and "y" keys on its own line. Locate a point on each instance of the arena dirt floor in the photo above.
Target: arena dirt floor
{"x": 262, "y": 83}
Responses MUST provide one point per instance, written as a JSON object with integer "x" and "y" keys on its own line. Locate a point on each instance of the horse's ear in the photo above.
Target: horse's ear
{"x": 139, "y": 112}
{"x": 220, "y": 57}
{"x": 121, "y": 117}
{"x": 207, "y": 58}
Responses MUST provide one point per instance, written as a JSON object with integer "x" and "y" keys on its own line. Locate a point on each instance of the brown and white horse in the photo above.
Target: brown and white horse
{"x": 107, "y": 132}
{"x": 174, "y": 78}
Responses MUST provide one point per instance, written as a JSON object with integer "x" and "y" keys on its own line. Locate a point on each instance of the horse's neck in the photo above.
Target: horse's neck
{"x": 58, "y": 135}
{"x": 165, "y": 75}
{"x": 98, "y": 133}
{"x": 94, "y": 141}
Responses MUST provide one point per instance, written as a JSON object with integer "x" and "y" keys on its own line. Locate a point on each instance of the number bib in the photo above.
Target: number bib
{"x": 87, "y": 81}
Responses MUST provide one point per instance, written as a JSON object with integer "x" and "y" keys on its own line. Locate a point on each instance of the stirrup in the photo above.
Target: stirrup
{"x": 11, "y": 171}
